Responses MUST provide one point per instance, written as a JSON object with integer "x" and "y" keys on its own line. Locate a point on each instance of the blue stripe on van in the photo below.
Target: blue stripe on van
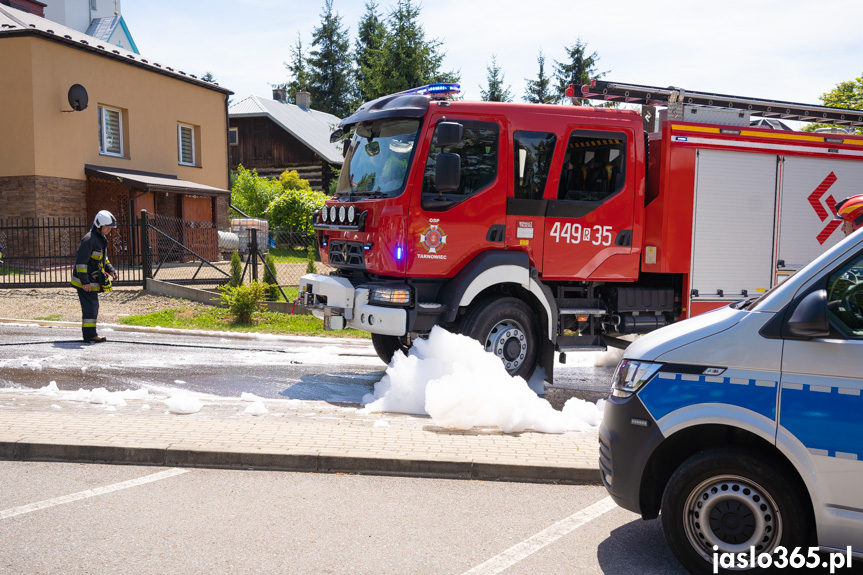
{"x": 828, "y": 420}
{"x": 668, "y": 392}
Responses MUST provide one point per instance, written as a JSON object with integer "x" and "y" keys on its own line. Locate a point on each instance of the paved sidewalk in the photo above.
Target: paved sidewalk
{"x": 292, "y": 435}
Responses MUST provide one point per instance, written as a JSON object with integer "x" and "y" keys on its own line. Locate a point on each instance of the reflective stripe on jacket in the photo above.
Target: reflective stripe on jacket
{"x": 91, "y": 261}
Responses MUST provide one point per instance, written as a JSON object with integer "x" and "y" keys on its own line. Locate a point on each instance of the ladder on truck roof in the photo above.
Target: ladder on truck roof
{"x": 655, "y": 96}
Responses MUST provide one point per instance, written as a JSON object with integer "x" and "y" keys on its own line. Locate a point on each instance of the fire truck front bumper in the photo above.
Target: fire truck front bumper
{"x": 341, "y": 305}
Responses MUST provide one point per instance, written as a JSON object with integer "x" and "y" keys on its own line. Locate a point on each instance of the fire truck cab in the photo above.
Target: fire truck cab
{"x": 539, "y": 229}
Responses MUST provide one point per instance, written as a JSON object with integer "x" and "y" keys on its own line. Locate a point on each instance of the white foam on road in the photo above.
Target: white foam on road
{"x": 451, "y": 378}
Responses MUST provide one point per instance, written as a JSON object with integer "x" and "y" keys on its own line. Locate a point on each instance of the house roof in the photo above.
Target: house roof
{"x": 311, "y": 127}
{"x": 15, "y": 23}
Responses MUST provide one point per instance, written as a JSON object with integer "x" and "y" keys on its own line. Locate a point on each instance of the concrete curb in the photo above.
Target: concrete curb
{"x": 245, "y": 460}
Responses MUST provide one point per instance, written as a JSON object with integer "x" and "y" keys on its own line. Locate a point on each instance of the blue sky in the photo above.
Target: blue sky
{"x": 793, "y": 50}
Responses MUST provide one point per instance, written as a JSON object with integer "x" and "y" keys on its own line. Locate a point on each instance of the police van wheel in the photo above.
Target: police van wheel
{"x": 735, "y": 500}
{"x": 505, "y": 327}
{"x": 386, "y": 346}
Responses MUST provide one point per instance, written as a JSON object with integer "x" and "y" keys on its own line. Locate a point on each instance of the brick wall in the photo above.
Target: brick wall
{"x": 42, "y": 197}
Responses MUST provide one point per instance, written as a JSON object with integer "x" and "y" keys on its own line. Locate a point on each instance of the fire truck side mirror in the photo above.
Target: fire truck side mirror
{"x": 449, "y": 134}
{"x": 447, "y": 173}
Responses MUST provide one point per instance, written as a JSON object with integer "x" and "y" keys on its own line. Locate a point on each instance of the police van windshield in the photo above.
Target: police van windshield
{"x": 378, "y": 159}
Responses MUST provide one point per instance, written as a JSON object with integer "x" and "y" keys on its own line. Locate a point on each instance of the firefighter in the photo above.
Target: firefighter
{"x": 850, "y": 211}
{"x": 93, "y": 272}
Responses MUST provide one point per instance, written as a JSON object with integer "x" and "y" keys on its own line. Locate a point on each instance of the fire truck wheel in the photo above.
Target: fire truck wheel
{"x": 386, "y": 346}
{"x": 731, "y": 499}
{"x": 506, "y": 327}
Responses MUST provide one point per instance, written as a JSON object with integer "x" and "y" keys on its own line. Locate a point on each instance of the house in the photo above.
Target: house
{"x": 92, "y": 126}
{"x": 272, "y": 136}
{"x": 100, "y": 19}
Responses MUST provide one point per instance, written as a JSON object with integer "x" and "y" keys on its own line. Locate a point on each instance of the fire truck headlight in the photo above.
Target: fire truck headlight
{"x": 352, "y": 213}
{"x": 390, "y": 295}
{"x": 342, "y": 215}
{"x": 325, "y": 213}
{"x": 631, "y": 376}
{"x": 333, "y": 214}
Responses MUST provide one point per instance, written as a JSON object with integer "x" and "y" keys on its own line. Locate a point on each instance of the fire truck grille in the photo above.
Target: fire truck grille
{"x": 347, "y": 255}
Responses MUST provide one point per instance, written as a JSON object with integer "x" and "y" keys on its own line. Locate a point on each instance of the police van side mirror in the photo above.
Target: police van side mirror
{"x": 448, "y": 134}
{"x": 447, "y": 173}
{"x": 809, "y": 319}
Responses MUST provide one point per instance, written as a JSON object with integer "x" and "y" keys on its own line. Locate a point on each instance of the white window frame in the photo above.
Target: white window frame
{"x": 180, "y": 159}
{"x": 236, "y": 138}
{"x": 103, "y": 143}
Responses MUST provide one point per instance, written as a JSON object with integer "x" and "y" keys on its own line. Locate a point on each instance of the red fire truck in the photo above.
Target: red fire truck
{"x": 542, "y": 229}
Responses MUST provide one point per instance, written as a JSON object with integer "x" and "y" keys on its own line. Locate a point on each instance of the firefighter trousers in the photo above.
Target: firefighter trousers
{"x": 89, "y": 312}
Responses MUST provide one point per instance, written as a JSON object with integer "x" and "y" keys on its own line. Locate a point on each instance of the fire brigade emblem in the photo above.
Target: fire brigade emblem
{"x": 433, "y": 238}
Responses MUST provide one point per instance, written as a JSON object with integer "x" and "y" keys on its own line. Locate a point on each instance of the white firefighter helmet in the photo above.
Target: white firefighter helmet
{"x": 105, "y": 218}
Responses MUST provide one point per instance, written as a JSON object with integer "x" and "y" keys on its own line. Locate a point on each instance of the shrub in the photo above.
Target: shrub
{"x": 293, "y": 210}
{"x": 310, "y": 261}
{"x": 236, "y": 270}
{"x": 271, "y": 281}
{"x": 242, "y": 301}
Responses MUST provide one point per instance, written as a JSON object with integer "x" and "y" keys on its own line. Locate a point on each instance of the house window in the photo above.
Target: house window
{"x": 186, "y": 144}
{"x": 233, "y": 136}
{"x": 110, "y": 131}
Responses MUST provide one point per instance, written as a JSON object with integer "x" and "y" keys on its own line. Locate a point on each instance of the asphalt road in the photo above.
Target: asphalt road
{"x": 217, "y": 521}
{"x": 341, "y": 371}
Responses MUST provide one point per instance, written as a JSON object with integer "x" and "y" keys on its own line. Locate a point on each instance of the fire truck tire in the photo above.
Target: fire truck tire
{"x": 386, "y": 346}
{"x": 732, "y": 499}
{"x": 506, "y": 327}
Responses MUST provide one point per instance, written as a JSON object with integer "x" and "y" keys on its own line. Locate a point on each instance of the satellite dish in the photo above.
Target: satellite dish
{"x": 78, "y": 97}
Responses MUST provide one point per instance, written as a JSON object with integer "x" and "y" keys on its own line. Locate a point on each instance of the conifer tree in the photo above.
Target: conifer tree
{"x": 538, "y": 91}
{"x": 407, "y": 58}
{"x": 579, "y": 68}
{"x": 330, "y": 73}
{"x": 298, "y": 70}
{"x": 495, "y": 78}
{"x": 371, "y": 33}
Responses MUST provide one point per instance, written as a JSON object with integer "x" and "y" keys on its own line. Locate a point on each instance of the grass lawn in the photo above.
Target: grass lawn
{"x": 289, "y": 255}
{"x": 220, "y": 319}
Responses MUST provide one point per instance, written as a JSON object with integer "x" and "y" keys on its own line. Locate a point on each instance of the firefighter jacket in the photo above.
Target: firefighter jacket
{"x": 91, "y": 262}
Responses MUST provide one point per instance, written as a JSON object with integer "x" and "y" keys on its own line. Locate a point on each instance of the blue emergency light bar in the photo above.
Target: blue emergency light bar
{"x": 436, "y": 90}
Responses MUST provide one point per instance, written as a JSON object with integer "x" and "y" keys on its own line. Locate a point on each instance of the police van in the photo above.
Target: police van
{"x": 744, "y": 425}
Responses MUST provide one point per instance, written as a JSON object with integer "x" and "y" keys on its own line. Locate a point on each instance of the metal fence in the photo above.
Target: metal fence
{"x": 40, "y": 252}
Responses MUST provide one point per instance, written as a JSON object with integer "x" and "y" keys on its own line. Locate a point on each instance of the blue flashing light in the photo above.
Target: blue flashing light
{"x": 398, "y": 253}
{"x": 436, "y": 90}
{"x": 681, "y": 139}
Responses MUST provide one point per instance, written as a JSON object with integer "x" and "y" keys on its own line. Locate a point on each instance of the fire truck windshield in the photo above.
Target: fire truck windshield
{"x": 378, "y": 159}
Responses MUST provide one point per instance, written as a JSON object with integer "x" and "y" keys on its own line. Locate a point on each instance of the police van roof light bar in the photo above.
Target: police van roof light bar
{"x": 637, "y": 94}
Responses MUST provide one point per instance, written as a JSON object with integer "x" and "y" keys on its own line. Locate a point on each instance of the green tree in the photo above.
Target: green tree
{"x": 579, "y": 68}
{"x": 371, "y": 33}
{"x": 538, "y": 91}
{"x": 330, "y": 73}
{"x": 236, "y": 270}
{"x": 495, "y": 78}
{"x": 298, "y": 72}
{"x": 407, "y": 58}
{"x": 845, "y": 95}
{"x": 252, "y": 193}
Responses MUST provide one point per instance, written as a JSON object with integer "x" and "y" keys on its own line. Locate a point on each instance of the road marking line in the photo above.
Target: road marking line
{"x": 545, "y": 537}
{"x": 90, "y": 493}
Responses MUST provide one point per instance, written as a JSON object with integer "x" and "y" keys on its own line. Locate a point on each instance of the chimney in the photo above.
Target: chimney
{"x": 304, "y": 100}
{"x": 280, "y": 94}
